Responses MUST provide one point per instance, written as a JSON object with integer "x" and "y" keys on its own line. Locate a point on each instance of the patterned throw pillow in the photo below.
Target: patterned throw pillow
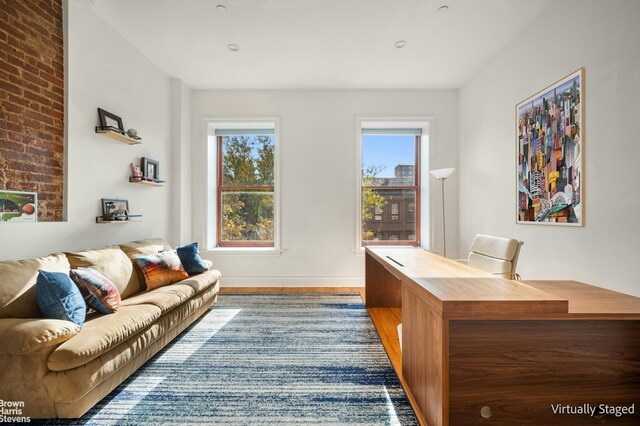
{"x": 98, "y": 291}
{"x": 161, "y": 269}
{"x": 191, "y": 260}
{"x": 58, "y": 298}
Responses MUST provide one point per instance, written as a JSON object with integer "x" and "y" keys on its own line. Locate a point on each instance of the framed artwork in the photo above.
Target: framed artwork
{"x": 549, "y": 154}
{"x": 150, "y": 169}
{"x": 115, "y": 209}
{"x": 110, "y": 121}
{"x": 17, "y": 206}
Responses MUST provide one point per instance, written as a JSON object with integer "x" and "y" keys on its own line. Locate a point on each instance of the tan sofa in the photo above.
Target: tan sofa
{"x": 61, "y": 370}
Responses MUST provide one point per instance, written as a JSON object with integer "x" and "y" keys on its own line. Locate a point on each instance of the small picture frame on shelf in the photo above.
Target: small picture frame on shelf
{"x": 115, "y": 209}
{"x": 110, "y": 121}
{"x": 150, "y": 169}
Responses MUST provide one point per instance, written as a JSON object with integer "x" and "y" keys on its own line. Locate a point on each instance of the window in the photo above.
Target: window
{"x": 411, "y": 212}
{"x": 378, "y": 211}
{"x": 390, "y": 182}
{"x": 245, "y": 204}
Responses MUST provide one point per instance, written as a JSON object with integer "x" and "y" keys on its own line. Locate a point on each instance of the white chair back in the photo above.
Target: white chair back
{"x": 495, "y": 254}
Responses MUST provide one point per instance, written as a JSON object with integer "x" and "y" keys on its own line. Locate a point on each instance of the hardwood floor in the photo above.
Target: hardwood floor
{"x": 385, "y": 320}
{"x": 293, "y": 290}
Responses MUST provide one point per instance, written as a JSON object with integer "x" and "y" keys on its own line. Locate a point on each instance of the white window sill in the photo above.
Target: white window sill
{"x": 244, "y": 251}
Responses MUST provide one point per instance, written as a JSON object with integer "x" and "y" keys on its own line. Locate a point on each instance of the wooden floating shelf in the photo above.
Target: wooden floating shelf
{"x": 119, "y": 136}
{"x": 101, "y": 221}
{"x": 145, "y": 182}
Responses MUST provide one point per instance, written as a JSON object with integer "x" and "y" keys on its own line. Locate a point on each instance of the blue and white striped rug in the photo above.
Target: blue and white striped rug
{"x": 267, "y": 359}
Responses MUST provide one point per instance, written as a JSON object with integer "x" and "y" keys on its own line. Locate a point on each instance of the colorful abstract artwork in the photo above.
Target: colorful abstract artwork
{"x": 549, "y": 154}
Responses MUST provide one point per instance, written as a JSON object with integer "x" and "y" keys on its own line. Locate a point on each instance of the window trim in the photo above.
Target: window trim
{"x": 426, "y": 123}
{"x": 212, "y": 212}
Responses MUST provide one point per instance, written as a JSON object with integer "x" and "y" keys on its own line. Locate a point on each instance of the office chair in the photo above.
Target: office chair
{"x": 495, "y": 255}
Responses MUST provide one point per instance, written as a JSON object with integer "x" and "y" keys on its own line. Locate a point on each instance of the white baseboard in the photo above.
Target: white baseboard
{"x": 291, "y": 281}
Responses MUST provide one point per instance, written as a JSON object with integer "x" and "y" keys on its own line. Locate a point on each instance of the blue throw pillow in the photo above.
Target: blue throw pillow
{"x": 191, "y": 260}
{"x": 59, "y": 298}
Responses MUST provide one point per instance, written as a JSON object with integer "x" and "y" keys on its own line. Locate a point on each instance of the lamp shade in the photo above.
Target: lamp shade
{"x": 442, "y": 173}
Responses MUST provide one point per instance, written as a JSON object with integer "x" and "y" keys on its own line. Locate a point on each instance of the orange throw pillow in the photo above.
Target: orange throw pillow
{"x": 161, "y": 269}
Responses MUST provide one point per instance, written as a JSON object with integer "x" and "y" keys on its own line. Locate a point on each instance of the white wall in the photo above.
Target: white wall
{"x": 603, "y": 37}
{"x": 104, "y": 70}
{"x": 318, "y": 180}
{"x": 180, "y": 162}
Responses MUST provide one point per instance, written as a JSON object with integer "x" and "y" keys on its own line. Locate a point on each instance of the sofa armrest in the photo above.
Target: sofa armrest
{"x": 24, "y": 335}
{"x": 208, "y": 263}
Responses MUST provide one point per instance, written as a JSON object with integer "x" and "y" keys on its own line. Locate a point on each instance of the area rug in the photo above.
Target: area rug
{"x": 267, "y": 359}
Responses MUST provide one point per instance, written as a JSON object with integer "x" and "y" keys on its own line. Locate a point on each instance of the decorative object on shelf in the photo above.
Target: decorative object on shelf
{"x": 110, "y": 121}
{"x": 18, "y": 206}
{"x": 111, "y": 125}
{"x": 137, "y": 173}
{"x": 115, "y": 210}
{"x": 442, "y": 175}
{"x": 550, "y": 129}
{"x": 150, "y": 170}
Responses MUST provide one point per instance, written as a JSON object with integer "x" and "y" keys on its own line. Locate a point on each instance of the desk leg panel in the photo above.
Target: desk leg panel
{"x": 382, "y": 288}
{"x": 425, "y": 358}
{"x": 521, "y": 369}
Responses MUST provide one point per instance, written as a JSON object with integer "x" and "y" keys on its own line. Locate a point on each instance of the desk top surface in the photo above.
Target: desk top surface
{"x": 458, "y": 290}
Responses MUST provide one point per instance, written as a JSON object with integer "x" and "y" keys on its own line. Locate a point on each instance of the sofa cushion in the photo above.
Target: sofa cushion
{"x": 97, "y": 290}
{"x": 100, "y": 334}
{"x": 144, "y": 247}
{"x": 23, "y": 335}
{"x": 161, "y": 269}
{"x": 165, "y": 298}
{"x": 113, "y": 263}
{"x": 59, "y": 298}
{"x": 190, "y": 259}
{"x": 18, "y": 284}
{"x": 202, "y": 281}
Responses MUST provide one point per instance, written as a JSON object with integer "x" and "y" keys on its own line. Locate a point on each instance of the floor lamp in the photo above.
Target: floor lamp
{"x": 442, "y": 175}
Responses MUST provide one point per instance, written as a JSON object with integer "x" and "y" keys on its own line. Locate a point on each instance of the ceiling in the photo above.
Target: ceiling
{"x": 314, "y": 44}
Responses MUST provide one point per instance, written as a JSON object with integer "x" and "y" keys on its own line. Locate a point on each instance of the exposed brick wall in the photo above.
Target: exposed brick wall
{"x": 32, "y": 101}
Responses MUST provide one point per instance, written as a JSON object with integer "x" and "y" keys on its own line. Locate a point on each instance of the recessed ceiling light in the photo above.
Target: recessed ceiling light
{"x": 400, "y": 44}
{"x": 443, "y": 9}
{"x": 233, "y": 47}
{"x": 221, "y": 8}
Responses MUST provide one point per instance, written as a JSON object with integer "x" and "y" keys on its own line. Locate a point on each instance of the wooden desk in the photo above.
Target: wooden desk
{"x": 472, "y": 342}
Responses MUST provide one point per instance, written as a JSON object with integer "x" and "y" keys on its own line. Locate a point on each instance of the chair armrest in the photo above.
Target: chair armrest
{"x": 24, "y": 335}
{"x": 514, "y": 276}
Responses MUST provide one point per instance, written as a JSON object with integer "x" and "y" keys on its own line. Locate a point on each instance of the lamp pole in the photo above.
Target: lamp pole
{"x": 442, "y": 175}
{"x": 444, "y": 227}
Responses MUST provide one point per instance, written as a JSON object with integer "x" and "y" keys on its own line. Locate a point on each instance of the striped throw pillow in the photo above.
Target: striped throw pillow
{"x": 98, "y": 291}
{"x": 161, "y": 269}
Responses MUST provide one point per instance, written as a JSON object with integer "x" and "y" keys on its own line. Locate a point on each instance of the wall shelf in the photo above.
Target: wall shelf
{"x": 101, "y": 221}
{"x": 145, "y": 182}
{"x": 118, "y": 136}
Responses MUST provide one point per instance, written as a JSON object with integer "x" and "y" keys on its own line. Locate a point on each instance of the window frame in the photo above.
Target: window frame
{"x": 416, "y": 187}
{"x": 211, "y": 223}
{"x": 221, "y": 188}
